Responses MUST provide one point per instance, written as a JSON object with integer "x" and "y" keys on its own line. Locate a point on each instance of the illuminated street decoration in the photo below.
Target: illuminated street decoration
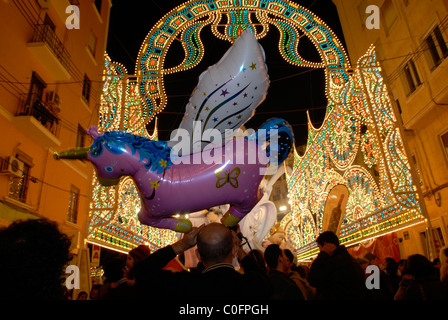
{"x": 345, "y": 150}
{"x": 227, "y": 19}
{"x": 359, "y": 145}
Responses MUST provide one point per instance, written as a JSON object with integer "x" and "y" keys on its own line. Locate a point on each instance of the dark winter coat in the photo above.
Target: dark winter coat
{"x": 337, "y": 277}
{"x": 283, "y": 287}
{"x": 221, "y": 281}
{"x": 423, "y": 288}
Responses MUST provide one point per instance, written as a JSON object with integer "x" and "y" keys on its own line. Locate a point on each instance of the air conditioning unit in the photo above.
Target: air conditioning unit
{"x": 13, "y": 166}
{"x": 53, "y": 98}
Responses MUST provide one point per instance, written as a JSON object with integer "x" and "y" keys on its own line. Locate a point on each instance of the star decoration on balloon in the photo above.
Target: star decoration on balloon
{"x": 228, "y": 92}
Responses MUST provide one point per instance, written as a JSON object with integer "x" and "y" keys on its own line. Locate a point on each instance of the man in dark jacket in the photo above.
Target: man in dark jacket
{"x": 219, "y": 280}
{"x": 334, "y": 273}
{"x": 282, "y": 286}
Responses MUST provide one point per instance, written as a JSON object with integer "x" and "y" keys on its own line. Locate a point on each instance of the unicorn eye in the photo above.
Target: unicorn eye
{"x": 109, "y": 169}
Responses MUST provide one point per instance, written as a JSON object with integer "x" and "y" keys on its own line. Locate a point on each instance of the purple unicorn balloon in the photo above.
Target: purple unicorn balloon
{"x": 225, "y": 98}
{"x": 226, "y": 175}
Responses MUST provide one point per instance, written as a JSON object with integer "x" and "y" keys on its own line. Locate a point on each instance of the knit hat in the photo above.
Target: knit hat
{"x": 139, "y": 253}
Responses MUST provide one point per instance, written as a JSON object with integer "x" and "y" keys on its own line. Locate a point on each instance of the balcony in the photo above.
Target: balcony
{"x": 50, "y": 51}
{"x": 38, "y": 120}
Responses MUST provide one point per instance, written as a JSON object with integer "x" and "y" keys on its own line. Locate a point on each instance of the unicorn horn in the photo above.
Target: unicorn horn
{"x": 75, "y": 153}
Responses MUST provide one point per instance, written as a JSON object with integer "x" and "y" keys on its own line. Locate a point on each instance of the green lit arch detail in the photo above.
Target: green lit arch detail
{"x": 228, "y": 18}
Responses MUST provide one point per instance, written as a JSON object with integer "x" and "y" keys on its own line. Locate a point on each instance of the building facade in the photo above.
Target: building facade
{"x": 410, "y": 39}
{"x": 51, "y": 65}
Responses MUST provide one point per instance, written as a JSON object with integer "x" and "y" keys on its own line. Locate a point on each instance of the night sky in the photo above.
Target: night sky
{"x": 292, "y": 90}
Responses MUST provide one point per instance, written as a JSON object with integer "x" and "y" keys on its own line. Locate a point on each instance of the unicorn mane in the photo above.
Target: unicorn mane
{"x": 157, "y": 153}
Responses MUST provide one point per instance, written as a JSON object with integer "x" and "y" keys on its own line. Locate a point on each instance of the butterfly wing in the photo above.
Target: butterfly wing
{"x": 233, "y": 177}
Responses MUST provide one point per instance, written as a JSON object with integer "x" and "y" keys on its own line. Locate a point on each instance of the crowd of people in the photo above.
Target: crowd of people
{"x": 33, "y": 254}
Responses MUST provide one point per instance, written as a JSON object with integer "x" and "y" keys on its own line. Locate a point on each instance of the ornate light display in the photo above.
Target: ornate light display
{"x": 227, "y": 19}
{"x": 358, "y": 145}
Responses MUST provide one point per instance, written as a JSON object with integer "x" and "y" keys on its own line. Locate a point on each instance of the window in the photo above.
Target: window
{"x": 411, "y": 78}
{"x": 437, "y": 237}
{"x": 81, "y": 137}
{"x": 379, "y": 50}
{"x": 86, "y": 88}
{"x": 72, "y": 215}
{"x": 398, "y": 106}
{"x": 18, "y": 187}
{"x": 389, "y": 15}
{"x": 436, "y": 48}
{"x": 444, "y": 138}
{"x": 92, "y": 43}
{"x": 37, "y": 87}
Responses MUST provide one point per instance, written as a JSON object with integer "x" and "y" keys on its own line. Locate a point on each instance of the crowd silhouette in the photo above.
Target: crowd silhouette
{"x": 34, "y": 253}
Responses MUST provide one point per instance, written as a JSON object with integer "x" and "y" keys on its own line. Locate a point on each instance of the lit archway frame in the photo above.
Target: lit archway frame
{"x": 359, "y": 145}
{"x": 227, "y": 20}
{"x": 129, "y": 102}
{"x": 359, "y": 135}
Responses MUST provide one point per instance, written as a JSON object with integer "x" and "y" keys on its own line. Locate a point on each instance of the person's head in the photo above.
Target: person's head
{"x": 328, "y": 242}
{"x": 364, "y": 263}
{"x": 443, "y": 256}
{"x": 215, "y": 244}
{"x": 275, "y": 258}
{"x": 257, "y": 255}
{"x": 33, "y": 254}
{"x": 82, "y": 295}
{"x": 391, "y": 266}
{"x": 418, "y": 266}
{"x": 137, "y": 254}
{"x": 401, "y": 266}
{"x": 372, "y": 258}
{"x": 94, "y": 293}
{"x": 289, "y": 257}
{"x": 113, "y": 270}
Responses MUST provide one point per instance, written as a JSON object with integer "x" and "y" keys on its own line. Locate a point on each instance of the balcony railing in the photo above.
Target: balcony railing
{"x": 32, "y": 105}
{"x": 45, "y": 34}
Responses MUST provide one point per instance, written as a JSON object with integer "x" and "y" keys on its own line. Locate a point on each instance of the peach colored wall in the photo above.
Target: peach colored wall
{"x": 17, "y": 62}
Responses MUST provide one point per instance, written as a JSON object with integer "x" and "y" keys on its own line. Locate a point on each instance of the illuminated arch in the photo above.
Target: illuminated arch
{"x": 359, "y": 111}
{"x": 227, "y": 20}
{"x": 129, "y": 102}
{"x": 359, "y": 145}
